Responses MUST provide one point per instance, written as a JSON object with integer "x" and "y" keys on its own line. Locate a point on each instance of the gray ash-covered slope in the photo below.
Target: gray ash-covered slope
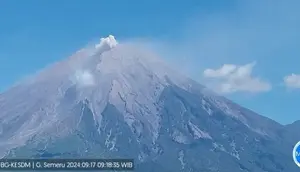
{"x": 119, "y": 101}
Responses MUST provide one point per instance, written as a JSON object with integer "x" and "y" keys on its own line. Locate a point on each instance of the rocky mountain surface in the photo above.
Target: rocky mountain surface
{"x": 119, "y": 101}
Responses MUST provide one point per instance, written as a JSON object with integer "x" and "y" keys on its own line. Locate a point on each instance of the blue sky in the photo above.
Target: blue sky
{"x": 257, "y": 40}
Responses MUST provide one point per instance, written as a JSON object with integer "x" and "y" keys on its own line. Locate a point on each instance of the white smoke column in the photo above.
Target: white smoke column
{"x": 107, "y": 43}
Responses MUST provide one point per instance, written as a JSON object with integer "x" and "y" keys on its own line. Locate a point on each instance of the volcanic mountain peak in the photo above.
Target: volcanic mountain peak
{"x": 131, "y": 79}
{"x": 116, "y": 100}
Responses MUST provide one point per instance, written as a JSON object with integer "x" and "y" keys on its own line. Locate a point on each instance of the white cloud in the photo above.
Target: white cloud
{"x": 232, "y": 78}
{"x": 292, "y": 81}
{"x": 224, "y": 71}
{"x": 84, "y": 78}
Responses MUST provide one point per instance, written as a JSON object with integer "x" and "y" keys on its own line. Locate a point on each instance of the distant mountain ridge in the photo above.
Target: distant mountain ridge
{"x": 118, "y": 101}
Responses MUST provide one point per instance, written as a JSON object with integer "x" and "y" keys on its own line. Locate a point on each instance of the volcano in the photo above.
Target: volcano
{"x": 115, "y": 100}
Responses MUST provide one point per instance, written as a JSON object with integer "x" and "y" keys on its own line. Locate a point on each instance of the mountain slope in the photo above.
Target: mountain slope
{"x": 114, "y": 100}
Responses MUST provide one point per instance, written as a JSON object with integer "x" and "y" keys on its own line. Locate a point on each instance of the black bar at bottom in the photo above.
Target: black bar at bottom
{"x": 66, "y": 164}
